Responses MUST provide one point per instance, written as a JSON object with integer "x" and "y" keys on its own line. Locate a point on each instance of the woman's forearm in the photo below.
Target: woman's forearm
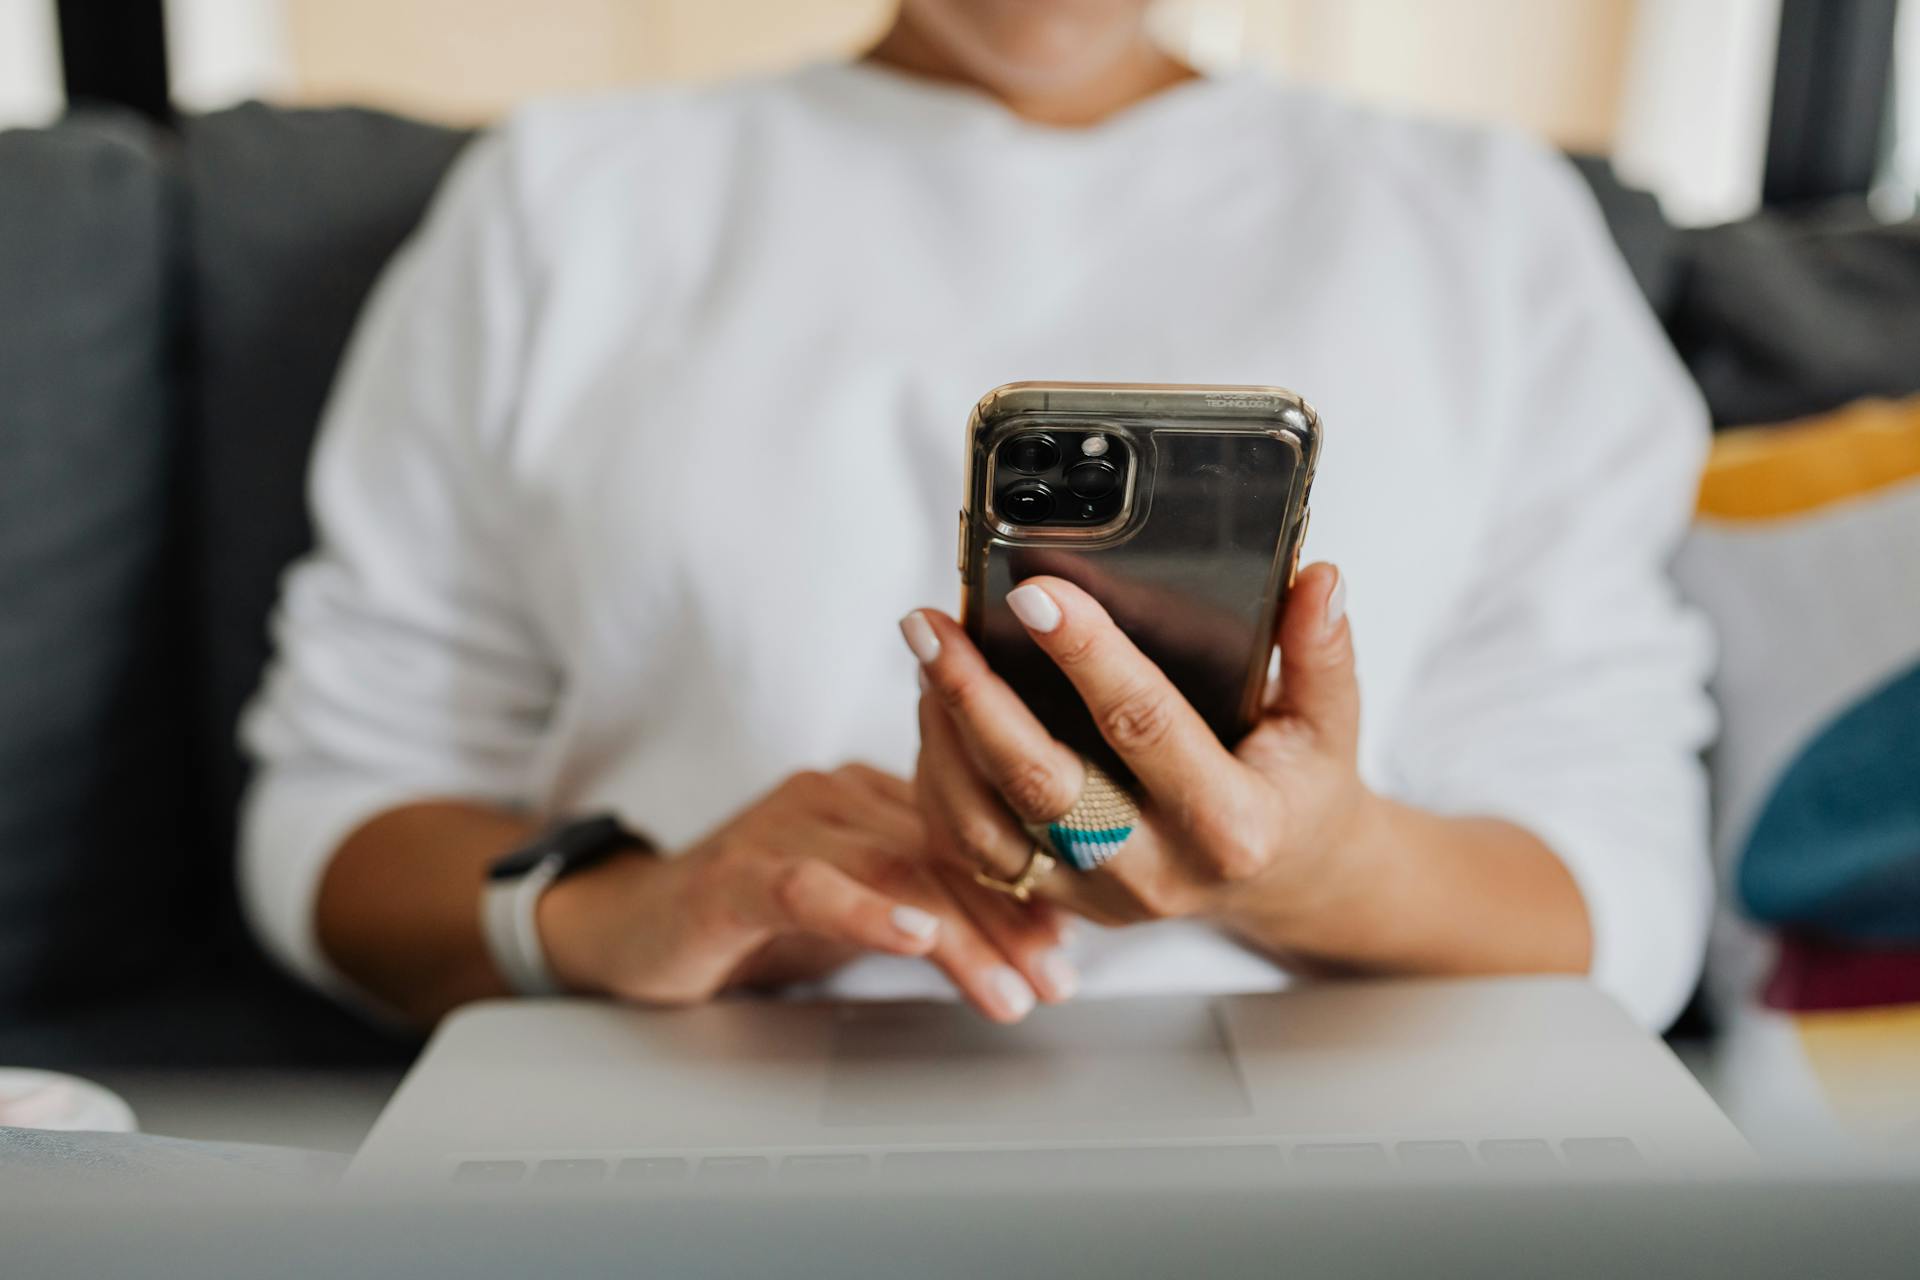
{"x": 1416, "y": 892}
{"x": 399, "y": 905}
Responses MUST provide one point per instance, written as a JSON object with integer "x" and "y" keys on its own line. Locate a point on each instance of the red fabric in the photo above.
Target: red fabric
{"x": 1815, "y": 974}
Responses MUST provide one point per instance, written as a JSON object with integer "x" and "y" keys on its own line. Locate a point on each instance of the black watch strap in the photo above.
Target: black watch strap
{"x": 569, "y": 847}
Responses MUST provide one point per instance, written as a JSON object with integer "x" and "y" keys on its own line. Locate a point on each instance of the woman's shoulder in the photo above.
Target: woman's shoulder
{"x": 552, "y": 136}
{"x": 1446, "y": 167}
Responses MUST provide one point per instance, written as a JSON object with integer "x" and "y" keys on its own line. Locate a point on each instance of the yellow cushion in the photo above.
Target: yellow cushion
{"x": 1762, "y": 473}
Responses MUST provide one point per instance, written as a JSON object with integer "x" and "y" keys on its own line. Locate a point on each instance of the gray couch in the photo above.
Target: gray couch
{"x": 172, "y": 305}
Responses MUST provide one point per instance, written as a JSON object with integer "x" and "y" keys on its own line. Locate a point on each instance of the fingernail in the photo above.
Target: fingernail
{"x": 1011, "y": 990}
{"x": 1059, "y": 975}
{"x": 920, "y": 637}
{"x": 1336, "y": 604}
{"x": 915, "y": 923}
{"x": 1034, "y": 607}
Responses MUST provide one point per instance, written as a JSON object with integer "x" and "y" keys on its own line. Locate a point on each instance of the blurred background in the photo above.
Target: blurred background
{"x": 1678, "y": 92}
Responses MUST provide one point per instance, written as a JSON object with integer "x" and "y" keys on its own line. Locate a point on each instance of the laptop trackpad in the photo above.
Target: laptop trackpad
{"x": 928, "y": 1063}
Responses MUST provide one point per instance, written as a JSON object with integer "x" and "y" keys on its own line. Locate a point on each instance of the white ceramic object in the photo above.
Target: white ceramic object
{"x": 50, "y": 1100}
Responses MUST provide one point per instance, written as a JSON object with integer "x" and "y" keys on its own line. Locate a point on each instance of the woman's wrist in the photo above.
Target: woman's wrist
{"x": 1411, "y": 891}
{"x": 584, "y": 919}
{"x": 1312, "y": 901}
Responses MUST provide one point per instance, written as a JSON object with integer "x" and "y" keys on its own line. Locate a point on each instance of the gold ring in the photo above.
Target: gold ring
{"x": 1020, "y": 888}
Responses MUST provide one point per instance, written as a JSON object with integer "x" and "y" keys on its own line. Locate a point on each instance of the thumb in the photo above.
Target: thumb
{"x": 1317, "y": 683}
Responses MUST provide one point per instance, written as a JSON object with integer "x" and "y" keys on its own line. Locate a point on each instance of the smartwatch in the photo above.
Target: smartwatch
{"x": 516, "y": 882}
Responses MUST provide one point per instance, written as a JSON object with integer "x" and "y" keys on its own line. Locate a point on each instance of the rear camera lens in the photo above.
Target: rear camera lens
{"x": 1093, "y": 510}
{"x": 1031, "y": 454}
{"x": 1027, "y": 503}
{"x": 1093, "y": 479}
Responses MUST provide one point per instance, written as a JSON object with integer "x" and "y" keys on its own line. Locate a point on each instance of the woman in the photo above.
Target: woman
{"x": 655, "y": 430}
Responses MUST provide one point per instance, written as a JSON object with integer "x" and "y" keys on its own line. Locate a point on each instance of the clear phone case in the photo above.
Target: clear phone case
{"x": 1193, "y": 560}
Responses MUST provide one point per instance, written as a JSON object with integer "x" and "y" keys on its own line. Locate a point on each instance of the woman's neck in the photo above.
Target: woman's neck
{"x": 1136, "y": 72}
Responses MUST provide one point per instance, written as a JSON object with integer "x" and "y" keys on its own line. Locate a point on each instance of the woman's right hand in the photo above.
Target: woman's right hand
{"x": 822, "y": 868}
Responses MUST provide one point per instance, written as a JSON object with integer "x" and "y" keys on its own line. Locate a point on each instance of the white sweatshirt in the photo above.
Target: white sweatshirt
{"x": 655, "y": 430}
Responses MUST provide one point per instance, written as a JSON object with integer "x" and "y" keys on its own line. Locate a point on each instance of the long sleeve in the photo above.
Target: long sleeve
{"x": 405, "y": 666}
{"x": 1566, "y": 694}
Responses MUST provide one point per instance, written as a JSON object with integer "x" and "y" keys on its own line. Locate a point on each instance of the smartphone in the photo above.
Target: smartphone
{"x": 1182, "y": 509}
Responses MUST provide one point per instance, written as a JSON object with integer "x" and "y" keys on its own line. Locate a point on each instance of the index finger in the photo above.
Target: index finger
{"x": 1036, "y": 776}
{"x": 1146, "y": 720}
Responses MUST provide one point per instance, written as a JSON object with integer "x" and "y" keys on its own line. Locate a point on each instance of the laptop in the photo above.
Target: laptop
{"x": 1534, "y": 1076}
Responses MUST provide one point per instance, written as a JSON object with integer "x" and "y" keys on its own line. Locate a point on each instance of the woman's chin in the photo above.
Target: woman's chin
{"x": 1041, "y": 57}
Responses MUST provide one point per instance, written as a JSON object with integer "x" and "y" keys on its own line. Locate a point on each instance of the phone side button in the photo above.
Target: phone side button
{"x": 1306, "y": 523}
{"x": 960, "y": 545}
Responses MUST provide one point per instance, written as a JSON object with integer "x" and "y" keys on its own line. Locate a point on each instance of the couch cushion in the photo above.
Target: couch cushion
{"x": 291, "y": 216}
{"x": 1804, "y": 558}
{"x": 89, "y": 764}
{"x": 1784, "y": 316}
{"x": 284, "y": 220}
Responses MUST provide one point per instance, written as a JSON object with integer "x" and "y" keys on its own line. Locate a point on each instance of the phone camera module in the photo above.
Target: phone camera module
{"x": 1027, "y": 503}
{"x": 1030, "y": 454}
{"x": 1093, "y": 480}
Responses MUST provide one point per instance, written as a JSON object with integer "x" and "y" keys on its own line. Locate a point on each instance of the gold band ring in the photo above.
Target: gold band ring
{"x": 1020, "y": 888}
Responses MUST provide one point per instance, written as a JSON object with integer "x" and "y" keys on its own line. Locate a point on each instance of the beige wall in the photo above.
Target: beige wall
{"x": 468, "y": 60}
{"x": 1555, "y": 66}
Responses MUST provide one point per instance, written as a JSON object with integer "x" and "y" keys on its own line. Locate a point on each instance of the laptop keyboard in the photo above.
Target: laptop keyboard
{"x": 1500, "y": 1155}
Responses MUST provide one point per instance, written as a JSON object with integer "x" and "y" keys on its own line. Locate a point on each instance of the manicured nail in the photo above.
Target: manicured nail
{"x": 1336, "y": 604}
{"x": 1034, "y": 607}
{"x": 915, "y": 923}
{"x": 1059, "y": 975}
{"x": 1011, "y": 990}
{"x": 920, "y": 637}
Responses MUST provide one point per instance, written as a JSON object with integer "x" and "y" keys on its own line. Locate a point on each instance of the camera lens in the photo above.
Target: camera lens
{"x": 1027, "y": 503}
{"x": 1093, "y": 479}
{"x": 1093, "y": 510}
{"x": 1030, "y": 453}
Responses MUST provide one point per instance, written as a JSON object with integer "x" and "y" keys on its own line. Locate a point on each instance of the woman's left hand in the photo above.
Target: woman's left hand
{"x": 1266, "y": 831}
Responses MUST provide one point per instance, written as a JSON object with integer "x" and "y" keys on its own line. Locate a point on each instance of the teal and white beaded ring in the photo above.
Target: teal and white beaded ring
{"x": 1091, "y": 833}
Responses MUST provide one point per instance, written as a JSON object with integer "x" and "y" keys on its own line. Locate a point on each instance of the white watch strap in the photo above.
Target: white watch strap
{"x": 512, "y": 932}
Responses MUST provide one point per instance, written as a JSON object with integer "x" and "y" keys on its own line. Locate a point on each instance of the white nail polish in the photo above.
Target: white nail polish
{"x": 1034, "y": 607}
{"x": 915, "y": 923}
{"x": 1015, "y": 996}
{"x": 920, "y": 637}
{"x": 1061, "y": 977}
{"x": 1336, "y": 603}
